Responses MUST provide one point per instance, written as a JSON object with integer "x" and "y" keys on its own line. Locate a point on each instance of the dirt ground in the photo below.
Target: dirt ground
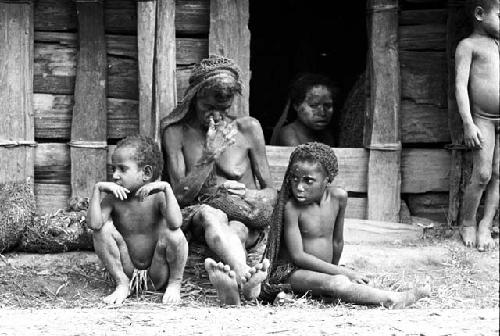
{"x": 60, "y": 294}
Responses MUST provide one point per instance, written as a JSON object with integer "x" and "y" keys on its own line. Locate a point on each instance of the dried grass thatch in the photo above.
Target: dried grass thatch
{"x": 17, "y": 207}
{"x": 62, "y": 231}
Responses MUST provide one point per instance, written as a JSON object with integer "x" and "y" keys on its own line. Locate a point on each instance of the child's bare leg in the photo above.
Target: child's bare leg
{"x": 481, "y": 174}
{"x": 112, "y": 250}
{"x": 167, "y": 266}
{"x": 224, "y": 281}
{"x": 341, "y": 287}
{"x": 484, "y": 240}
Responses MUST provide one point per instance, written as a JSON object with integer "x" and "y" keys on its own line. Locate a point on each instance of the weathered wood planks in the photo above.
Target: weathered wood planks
{"x": 382, "y": 124}
{"x": 88, "y": 126}
{"x": 229, "y": 36}
{"x": 423, "y": 123}
{"x": 192, "y": 16}
{"x": 16, "y": 91}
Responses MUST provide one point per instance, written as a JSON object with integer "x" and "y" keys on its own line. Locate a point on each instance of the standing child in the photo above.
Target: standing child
{"x": 306, "y": 237}
{"x": 137, "y": 224}
{"x": 477, "y": 92}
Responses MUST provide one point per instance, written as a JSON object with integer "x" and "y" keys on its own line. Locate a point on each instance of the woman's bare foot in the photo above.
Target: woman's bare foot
{"x": 172, "y": 293}
{"x": 252, "y": 280}
{"x": 484, "y": 240}
{"x": 468, "y": 234}
{"x": 118, "y": 296}
{"x": 405, "y": 299}
{"x": 224, "y": 281}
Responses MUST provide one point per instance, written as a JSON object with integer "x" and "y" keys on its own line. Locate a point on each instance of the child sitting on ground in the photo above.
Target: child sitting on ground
{"x": 136, "y": 226}
{"x": 477, "y": 92}
{"x": 306, "y": 236}
{"x": 310, "y": 105}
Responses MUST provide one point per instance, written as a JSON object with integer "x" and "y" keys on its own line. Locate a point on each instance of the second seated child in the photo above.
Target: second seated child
{"x": 306, "y": 236}
{"x": 136, "y": 223}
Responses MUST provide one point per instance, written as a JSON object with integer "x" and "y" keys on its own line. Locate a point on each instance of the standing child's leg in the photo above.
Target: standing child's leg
{"x": 484, "y": 240}
{"x": 169, "y": 261}
{"x": 339, "y": 286}
{"x": 112, "y": 251}
{"x": 481, "y": 173}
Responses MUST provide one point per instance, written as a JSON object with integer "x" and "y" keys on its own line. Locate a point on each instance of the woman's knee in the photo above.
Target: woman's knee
{"x": 338, "y": 283}
{"x": 239, "y": 229}
{"x": 211, "y": 216}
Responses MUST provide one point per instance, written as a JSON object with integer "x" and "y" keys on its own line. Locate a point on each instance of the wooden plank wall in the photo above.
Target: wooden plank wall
{"x": 424, "y": 102}
{"x": 55, "y": 60}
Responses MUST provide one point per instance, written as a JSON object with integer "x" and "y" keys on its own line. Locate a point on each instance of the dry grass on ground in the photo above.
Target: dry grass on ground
{"x": 460, "y": 277}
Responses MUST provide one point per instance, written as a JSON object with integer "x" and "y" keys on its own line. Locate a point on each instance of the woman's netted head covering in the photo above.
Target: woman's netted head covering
{"x": 210, "y": 71}
{"x": 311, "y": 151}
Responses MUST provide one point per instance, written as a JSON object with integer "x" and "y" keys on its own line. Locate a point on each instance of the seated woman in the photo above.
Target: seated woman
{"x": 311, "y": 103}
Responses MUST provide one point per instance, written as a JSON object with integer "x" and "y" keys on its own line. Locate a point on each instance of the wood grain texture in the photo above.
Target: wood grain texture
{"x": 432, "y": 205}
{"x": 422, "y": 17}
{"x": 53, "y": 115}
{"x": 423, "y": 37}
{"x": 16, "y": 90}
{"x": 89, "y": 122}
{"x": 165, "y": 85}
{"x": 423, "y": 123}
{"x": 229, "y": 36}
{"x": 146, "y": 25}
{"x": 120, "y": 16}
{"x": 384, "y": 177}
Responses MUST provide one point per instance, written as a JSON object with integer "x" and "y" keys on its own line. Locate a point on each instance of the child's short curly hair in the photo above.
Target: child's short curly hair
{"x": 147, "y": 152}
{"x": 317, "y": 152}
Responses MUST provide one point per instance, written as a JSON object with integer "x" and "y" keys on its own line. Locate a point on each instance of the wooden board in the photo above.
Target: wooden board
{"x": 424, "y": 170}
{"x": 16, "y": 90}
{"x": 146, "y": 25}
{"x": 88, "y": 164}
{"x": 423, "y": 123}
{"x": 424, "y": 77}
{"x": 422, "y": 17}
{"x": 229, "y": 36}
{"x": 53, "y": 115}
{"x": 55, "y": 70}
{"x": 423, "y": 37}
{"x": 165, "y": 88}
{"x": 382, "y": 124}
{"x": 192, "y": 16}
{"x": 356, "y": 231}
{"x": 51, "y": 197}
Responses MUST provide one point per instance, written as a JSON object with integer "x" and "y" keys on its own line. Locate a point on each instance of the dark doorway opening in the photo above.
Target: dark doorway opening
{"x": 290, "y": 37}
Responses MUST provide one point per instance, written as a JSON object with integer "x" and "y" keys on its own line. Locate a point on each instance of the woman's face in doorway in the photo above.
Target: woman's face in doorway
{"x": 316, "y": 111}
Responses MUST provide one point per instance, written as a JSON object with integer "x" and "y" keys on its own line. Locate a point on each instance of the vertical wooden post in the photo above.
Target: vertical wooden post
{"x": 453, "y": 35}
{"x": 229, "y": 36}
{"x": 88, "y": 128}
{"x": 383, "y": 135}
{"x": 16, "y": 91}
{"x": 165, "y": 84}
{"x": 146, "y": 22}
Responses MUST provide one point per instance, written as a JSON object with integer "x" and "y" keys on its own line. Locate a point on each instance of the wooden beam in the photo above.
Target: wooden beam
{"x": 383, "y": 140}
{"x": 146, "y": 24}
{"x": 229, "y": 36}
{"x": 192, "y": 16}
{"x": 458, "y": 158}
{"x": 165, "y": 84}
{"x": 88, "y": 127}
{"x": 16, "y": 92}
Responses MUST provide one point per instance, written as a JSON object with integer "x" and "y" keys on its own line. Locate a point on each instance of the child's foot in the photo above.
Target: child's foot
{"x": 405, "y": 299}
{"x": 468, "y": 234}
{"x": 252, "y": 280}
{"x": 118, "y": 296}
{"x": 484, "y": 240}
{"x": 172, "y": 294}
{"x": 224, "y": 281}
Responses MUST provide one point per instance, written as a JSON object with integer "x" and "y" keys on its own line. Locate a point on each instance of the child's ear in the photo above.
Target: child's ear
{"x": 148, "y": 172}
{"x": 478, "y": 13}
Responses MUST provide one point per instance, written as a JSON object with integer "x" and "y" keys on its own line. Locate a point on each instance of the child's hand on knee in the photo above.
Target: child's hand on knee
{"x": 358, "y": 278}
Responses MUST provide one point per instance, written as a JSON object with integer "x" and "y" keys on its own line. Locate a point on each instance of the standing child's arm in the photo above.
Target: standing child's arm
{"x": 168, "y": 203}
{"x": 463, "y": 61}
{"x": 340, "y": 196}
{"x": 99, "y": 212}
